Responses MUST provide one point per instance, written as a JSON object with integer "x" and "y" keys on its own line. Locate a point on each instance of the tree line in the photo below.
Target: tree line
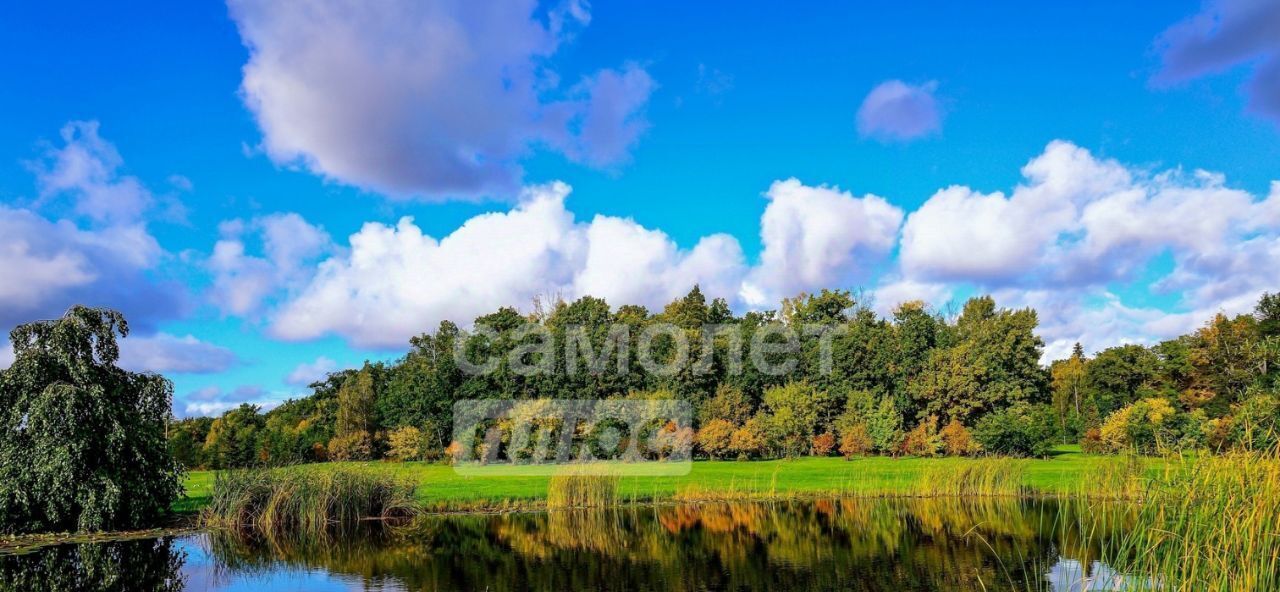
{"x": 916, "y": 383}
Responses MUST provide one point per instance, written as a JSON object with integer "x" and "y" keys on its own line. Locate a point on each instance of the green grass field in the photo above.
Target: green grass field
{"x": 439, "y": 486}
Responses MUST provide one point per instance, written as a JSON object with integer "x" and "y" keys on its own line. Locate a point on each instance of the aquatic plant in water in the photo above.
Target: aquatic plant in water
{"x": 304, "y": 500}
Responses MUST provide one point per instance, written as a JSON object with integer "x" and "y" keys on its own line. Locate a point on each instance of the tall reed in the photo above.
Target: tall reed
{"x": 1212, "y": 523}
{"x": 1122, "y": 477}
{"x": 987, "y": 477}
{"x": 304, "y": 500}
{"x": 574, "y": 490}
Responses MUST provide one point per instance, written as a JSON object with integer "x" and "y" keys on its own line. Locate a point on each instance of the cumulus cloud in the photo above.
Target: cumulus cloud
{"x": 6, "y": 355}
{"x": 815, "y": 237}
{"x": 395, "y": 281}
{"x": 165, "y": 353}
{"x": 100, "y": 254}
{"x": 289, "y": 245}
{"x": 308, "y": 372}
{"x": 429, "y": 99}
{"x": 626, "y": 263}
{"x": 1068, "y": 240}
{"x": 897, "y": 111}
{"x": 1228, "y": 34}
{"x": 1003, "y": 236}
{"x": 1080, "y": 220}
{"x": 1079, "y": 224}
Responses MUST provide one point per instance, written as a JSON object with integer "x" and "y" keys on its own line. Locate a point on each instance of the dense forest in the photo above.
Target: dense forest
{"x": 919, "y": 383}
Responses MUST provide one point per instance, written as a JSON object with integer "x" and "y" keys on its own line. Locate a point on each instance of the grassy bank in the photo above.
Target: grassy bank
{"x": 439, "y": 487}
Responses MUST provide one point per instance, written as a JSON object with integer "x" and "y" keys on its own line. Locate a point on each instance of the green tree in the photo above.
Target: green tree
{"x": 422, "y": 388}
{"x": 298, "y": 430}
{"x": 1121, "y": 375}
{"x": 1268, "y": 313}
{"x": 687, "y": 312}
{"x": 994, "y": 363}
{"x": 82, "y": 445}
{"x": 186, "y": 440}
{"x": 1019, "y": 430}
{"x": 916, "y": 334}
{"x": 862, "y": 356}
{"x": 884, "y": 426}
{"x": 1068, "y": 392}
{"x": 829, "y": 307}
{"x": 235, "y": 439}
{"x": 356, "y": 405}
{"x": 795, "y": 415}
{"x": 729, "y": 403}
{"x": 1224, "y": 355}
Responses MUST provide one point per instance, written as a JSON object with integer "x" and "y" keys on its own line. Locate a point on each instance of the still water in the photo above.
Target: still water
{"x": 891, "y": 545}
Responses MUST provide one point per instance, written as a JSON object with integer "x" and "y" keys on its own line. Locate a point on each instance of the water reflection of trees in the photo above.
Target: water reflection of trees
{"x": 836, "y": 544}
{"x": 148, "y": 565}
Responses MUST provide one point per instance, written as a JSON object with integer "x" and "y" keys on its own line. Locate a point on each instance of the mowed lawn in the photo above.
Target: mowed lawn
{"x": 440, "y": 486}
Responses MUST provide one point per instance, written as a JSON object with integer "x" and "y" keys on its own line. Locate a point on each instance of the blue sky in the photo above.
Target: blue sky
{"x": 234, "y": 153}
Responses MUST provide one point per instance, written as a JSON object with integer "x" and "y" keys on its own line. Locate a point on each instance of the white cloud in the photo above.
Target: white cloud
{"x": 1082, "y": 221}
{"x": 86, "y": 170}
{"x": 1070, "y": 240}
{"x": 1081, "y": 225}
{"x": 165, "y": 353}
{"x": 307, "y": 373}
{"x": 101, "y": 255}
{"x": 960, "y": 233}
{"x": 44, "y": 255}
{"x": 895, "y": 110}
{"x": 288, "y": 243}
{"x": 817, "y": 237}
{"x": 1225, "y": 35}
{"x": 6, "y": 355}
{"x": 626, "y": 263}
{"x": 428, "y": 99}
{"x": 394, "y": 282}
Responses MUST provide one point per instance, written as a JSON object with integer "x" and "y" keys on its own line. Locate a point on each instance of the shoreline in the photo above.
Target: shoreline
{"x": 27, "y": 543}
{"x": 189, "y": 524}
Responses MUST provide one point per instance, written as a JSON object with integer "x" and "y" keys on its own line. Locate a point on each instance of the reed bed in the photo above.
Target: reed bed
{"x": 988, "y": 477}
{"x": 1210, "y": 524}
{"x": 1124, "y": 477}
{"x": 573, "y": 490}
{"x": 304, "y": 501}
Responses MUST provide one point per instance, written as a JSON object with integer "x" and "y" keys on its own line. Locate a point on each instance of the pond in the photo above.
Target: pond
{"x": 846, "y": 544}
